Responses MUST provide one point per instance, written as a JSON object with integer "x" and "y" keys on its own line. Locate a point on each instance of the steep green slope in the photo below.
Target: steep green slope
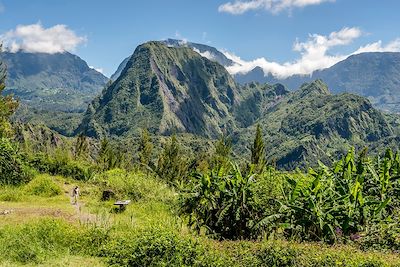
{"x": 204, "y": 50}
{"x": 53, "y": 82}
{"x": 165, "y": 89}
{"x": 312, "y": 124}
{"x": 257, "y": 99}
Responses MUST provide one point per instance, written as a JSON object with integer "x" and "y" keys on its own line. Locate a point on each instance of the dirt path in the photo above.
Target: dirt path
{"x": 82, "y": 216}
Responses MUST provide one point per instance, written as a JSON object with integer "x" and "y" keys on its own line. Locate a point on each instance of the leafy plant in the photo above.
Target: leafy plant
{"x": 222, "y": 202}
{"x": 12, "y": 169}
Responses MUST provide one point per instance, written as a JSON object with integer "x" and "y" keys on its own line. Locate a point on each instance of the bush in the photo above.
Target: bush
{"x": 135, "y": 185}
{"x": 224, "y": 204}
{"x": 36, "y": 241}
{"x": 12, "y": 169}
{"x": 282, "y": 254}
{"x": 43, "y": 186}
{"x": 155, "y": 247}
{"x": 10, "y": 193}
{"x": 62, "y": 165}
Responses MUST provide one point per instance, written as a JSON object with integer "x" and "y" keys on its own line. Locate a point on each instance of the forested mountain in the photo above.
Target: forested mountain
{"x": 311, "y": 124}
{"x": 373, "y": 75}
{"x": 175, "y": 90}
{"x": 167, "y": 90}
{"x": 53, "y": 82}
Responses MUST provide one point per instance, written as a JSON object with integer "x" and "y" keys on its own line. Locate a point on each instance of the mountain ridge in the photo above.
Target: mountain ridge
{"x": 175, "y": 90}
{"x": 60, "y": 82}
{"x": 165, "y": 87}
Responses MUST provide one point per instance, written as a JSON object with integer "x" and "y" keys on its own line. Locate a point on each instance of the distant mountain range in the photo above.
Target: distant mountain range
{"x": 180, "y": 87}
{"x": 55, "y": 82}
{"x": 373, "y": 75}
{"x": 170, "y": 89}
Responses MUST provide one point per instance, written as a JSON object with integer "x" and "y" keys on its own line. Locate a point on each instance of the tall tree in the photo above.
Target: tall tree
{"x": 258, "y": 149}
{"x": 223, "y": 151}
{"x": 171, "y": 165}
{"x": 108, "y": 157}
{"x": 145, "y": 148}
{"x": 8, "y": 104}
{"x": 81, "y": 147}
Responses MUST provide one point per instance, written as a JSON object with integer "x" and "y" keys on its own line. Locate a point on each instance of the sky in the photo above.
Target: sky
{"x": 284, "y": 37}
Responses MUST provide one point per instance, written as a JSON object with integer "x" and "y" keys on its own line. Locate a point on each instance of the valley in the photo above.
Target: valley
{"x": 187, "y": 154}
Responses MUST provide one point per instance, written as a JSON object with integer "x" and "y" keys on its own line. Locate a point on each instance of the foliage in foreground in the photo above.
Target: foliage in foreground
{"x": 12, "y": 168}
{"x": 223, "y": 202}
{"x": 343, "y": 203}
{"x": 47, "y": 239}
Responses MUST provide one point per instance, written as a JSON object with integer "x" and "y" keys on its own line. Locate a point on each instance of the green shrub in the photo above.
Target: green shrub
{"x": 62, "y": 165}
{"x": 36, "y": 241}
{"x": 224, "y": 204}
{"x": 277, "y": 253}
{"x": 44, "y": 186}
{"x": 12, "y": 169}
{"x": 10, "y": 193}
{"x": 136, "y": 185}
{"x": 155, "y": 247}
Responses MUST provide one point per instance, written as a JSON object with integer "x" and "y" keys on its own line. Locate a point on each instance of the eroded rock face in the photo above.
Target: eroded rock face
{"x": 165, "y": 89}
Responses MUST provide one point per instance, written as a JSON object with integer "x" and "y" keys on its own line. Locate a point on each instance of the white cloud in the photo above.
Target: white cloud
{"x": 36, "y": 39}
{"x": 393, "y": 46}
{"x": 206, "y": 54}
{"x": 97, "y": 69}
{"x": 182, "y": 40}
{"x": 314, "y": 54}
{"x": 275, "y": 6}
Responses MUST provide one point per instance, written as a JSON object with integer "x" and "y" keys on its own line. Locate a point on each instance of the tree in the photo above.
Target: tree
{"x": 108, "y": 158}
{"x": 8, "y": 104}
{"x": 258, "y": 149}
{"x": 145, "y": 148}
{"x": 223, "y": 151}
{"x": 81, "y": 146}
{"x": 12, "y": 171}
{"x": 171, "y": 165}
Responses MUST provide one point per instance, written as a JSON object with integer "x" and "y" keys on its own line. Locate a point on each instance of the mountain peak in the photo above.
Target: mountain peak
{"x": 166, "y": 89}
{"x": 315, "y": 88}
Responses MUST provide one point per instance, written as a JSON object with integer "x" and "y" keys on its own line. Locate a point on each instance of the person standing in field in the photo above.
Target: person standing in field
{"x": 75, "y": 194}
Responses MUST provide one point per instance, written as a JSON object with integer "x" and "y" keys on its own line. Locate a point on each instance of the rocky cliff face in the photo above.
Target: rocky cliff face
{"x": 165, "y": 89}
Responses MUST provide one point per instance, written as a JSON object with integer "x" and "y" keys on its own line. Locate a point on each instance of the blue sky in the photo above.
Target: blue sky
{"x": 260, "y": 32}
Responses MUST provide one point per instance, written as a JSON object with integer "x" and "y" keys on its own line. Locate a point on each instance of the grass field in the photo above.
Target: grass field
{"x": 42, "y": 227}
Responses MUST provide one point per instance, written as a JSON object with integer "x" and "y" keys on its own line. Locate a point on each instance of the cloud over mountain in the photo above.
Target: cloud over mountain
{"x": 34, "y": 38}
{"x": 314, "y": 54}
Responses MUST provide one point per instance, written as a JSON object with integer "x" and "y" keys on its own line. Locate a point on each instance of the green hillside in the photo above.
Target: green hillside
{"x": 167, "y": 90}
{"x": 174, "y": 90}
{"x": 312, "y": 124}
{"x": 55, "y": 82}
